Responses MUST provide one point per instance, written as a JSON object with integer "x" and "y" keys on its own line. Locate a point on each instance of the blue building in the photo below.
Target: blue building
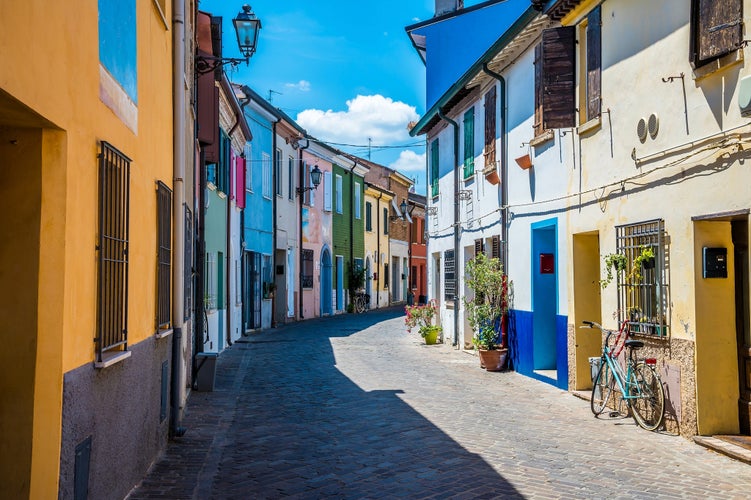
{"x": 258, "y": 216}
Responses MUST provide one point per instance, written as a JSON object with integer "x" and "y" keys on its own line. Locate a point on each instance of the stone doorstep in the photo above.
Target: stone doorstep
{"x": 724, "y": 447}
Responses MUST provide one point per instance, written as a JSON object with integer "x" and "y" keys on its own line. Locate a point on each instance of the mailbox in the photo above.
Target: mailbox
{"x": 715, "y": 262}
{"x": 547, "y": 263}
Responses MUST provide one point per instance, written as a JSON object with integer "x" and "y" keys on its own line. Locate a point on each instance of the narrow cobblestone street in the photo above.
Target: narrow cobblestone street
{"x": 354, "y": 407}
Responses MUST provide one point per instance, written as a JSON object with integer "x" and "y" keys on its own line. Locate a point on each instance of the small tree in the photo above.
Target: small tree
{"x": 487, "y": 310}
{"x": 356, "y": 280}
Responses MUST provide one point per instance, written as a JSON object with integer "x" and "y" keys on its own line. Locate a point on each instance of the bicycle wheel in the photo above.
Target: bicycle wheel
{"x": 648, "y": 408}
{"x": 359, "y": 304}
{"x": 602, "y": 388}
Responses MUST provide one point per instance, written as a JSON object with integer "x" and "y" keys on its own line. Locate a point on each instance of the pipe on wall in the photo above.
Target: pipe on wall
{"x": 300, "y": 195}
{"x": 457, "y": 234}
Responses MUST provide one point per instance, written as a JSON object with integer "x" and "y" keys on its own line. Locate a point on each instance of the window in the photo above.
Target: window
{"x": 278, "y": 171}
{"x": 554, "y": 80}
{"x": 495, "y": 247}
{"x": 112, "y": 287}
{"x": 642, "y": 286}
{"x": 209, "y": 299}
{"x": 590, "y": 67}
{"x": 490, "y": 126}
{"x": 339, "y": 194}
{"x": 479, "y": 247}
{"x": 368, "y": 216}
{"x": 358, "y": 201}
{"x": 238, "y": 288}
{"x": 449, "y": 276}
{"x": 164, "y": 255}
{"x": 327, "y": 191}
{"x": 220, "y": 280}
{"x": 469, "y": 143}
{"x": 716, "y": 29}
{"x": 291, "y": 178}
{"x": 223, "y": 167}
{"x": 308, "y": 193}
{"x": 414, "y": 277}
{"x": 307, "y": 268}
{"x": 385, "y": 221}
{"x": 385, "y": 275}
{"x": 266, "y": 165}
{"x": 188, "y": 267}
{"x": 248, "y": 170}
{"x": 434, "y": 168}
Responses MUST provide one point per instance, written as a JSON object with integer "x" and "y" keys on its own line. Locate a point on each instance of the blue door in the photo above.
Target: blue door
{"x": 339, "y": 282}
{"x": 326, "y": 282}
{"x": 545, "y": 297}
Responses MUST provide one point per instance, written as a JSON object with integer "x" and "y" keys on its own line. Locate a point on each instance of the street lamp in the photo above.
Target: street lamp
{"x": 315, "y": 179}
{"x": 403, "y": 208}
{"x": 247, "y": 26}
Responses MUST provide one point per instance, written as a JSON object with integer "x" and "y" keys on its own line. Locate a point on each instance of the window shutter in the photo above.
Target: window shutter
{"x": 719, "y": 28}
{"x": 537, "y": 125}
{"x": 240, "y": 181}
{"x": 558, "y": 72}
{"x": 327, "y": 191}
{"x": 490, "y": 127}
{"x": 368, "y": 216}
{"x": 478, "y": 247}
{"x": 306, "y": 183}
{"x": 449, "y": 276}
{"x": 496, "y": 248}
{"x": 434, "y": 168}
{"x": 594, "y": 63}
{"x": 469, "y": 142}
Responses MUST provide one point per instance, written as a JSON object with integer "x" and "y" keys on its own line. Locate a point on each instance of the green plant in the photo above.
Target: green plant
{"x": 422, "y": 318}
{"x": 356, "y": 278}
{"x": 614, "y": 263}
{"x": 646, "y": 255}
{"x": 485, "y": 312}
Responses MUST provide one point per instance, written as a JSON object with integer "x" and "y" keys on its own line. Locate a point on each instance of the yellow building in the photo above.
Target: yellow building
{"x": 86, "y": 152}
{"x": 377, "y": 202}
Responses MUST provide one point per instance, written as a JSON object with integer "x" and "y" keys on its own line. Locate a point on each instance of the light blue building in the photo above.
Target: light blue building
{"x": 258, "y": 216}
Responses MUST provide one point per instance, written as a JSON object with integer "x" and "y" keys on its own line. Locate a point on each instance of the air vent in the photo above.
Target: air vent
{"x": 641, "y": 130}
{"x": 653, "y": 125}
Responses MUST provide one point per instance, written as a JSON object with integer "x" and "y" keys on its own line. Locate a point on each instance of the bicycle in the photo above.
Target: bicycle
{"x": 361, "y": 302}
{"x": 638, "y": 383}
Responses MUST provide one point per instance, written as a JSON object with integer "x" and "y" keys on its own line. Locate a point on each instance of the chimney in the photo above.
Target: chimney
{"x": 447, "y": 6}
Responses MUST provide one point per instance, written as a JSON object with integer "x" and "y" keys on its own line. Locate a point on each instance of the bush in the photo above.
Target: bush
{"x": 422, "y": 318}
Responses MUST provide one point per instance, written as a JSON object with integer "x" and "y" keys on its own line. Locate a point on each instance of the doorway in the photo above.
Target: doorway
{"x": 339, "y": 282}
{"x": 544, "y": 299}
{"x": 587, "y": 305}
{"x": 252, "y": 290}
{"x": 326, "y": 282}
{"x": 739, "y": 230}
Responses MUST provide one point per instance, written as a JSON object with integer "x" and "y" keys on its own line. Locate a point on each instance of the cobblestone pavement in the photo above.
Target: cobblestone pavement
{"x": 354, "y": 407}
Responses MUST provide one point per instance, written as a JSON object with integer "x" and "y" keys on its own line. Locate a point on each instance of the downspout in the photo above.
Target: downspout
{"x": 457, "y": 246}
{"x": 178, "y": 202}
{"x": 351, "y": 220}
{"x": 379, "y": 264}
{"x": 300, "y": 195}
{"x": 504, "y": 188}
{"x": 273, "y": 217}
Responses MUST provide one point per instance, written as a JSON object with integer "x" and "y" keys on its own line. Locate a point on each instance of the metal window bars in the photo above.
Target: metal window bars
{"x": 643, "y": 290}
{"x": 164, "y": 255}
{"x": 112, "y": 248}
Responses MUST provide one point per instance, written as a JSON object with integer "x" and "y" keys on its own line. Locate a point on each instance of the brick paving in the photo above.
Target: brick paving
{"x": 354, "y": 407}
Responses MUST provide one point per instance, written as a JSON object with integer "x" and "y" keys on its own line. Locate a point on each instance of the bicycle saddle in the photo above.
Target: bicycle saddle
{"x": 634, "y": 344}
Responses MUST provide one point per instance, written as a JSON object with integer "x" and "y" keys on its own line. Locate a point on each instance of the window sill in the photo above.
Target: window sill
{"x": 731, "y": 59}
{"x": 590, "y": 126}
{"x": 470, "y": 177}
{"x": 164, "y": 333}
{"x": 541, "y": 139}
{"x": 111, "y": 358}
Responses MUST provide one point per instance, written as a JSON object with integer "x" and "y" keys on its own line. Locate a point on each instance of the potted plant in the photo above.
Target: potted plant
{"x": 422, "y": 318}
{"x": 356, "y": 284}
{"x": 487, "y": 311}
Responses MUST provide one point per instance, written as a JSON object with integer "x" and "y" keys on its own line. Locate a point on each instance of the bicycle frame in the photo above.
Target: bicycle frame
{"x": 624, "y": 378}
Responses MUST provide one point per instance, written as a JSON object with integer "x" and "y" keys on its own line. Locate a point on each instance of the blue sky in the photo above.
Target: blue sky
{"x": 345, "y": 70}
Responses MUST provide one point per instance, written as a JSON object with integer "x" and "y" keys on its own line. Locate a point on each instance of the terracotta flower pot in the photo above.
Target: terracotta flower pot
{"x": 493, "y": 360}
{"x": 525, "y": 162}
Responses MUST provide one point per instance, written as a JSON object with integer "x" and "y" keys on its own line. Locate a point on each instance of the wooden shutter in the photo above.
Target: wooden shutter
{"x": 469, "y": 142}
{"x": 558, "y": 72}
{"x": 594, "y": 63}
{"x": 538, "y": 91}
{"x": 718, "y": 28}
{"x": 490, "y": 127}
{"x": 240, "y": 181}
{"x": 449, "y": 275}
{"x": 434, "y": 168}
{"x": 496, "y": 247}
{"x": 478, "y": 247}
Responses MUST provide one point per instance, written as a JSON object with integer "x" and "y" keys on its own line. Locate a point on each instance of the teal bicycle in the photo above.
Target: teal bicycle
{"x": 637, "y": 383}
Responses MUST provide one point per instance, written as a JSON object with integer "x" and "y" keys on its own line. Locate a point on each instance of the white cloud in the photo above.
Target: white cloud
{"x": 410, "y": 163}
{"x": 302, "y": 86}
{"x": 374, "y": 117}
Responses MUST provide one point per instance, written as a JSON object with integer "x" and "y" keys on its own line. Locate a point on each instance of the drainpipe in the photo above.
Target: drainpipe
{"x": 504, "y": 187}
{"x": 379, "y": 264}
{"x": 273, "y": 217}
{"x": 352, "y": 219}
{"x": 457, "y": 246}
{"x": 300, "y": 196}
{"x": 178, "y": 200}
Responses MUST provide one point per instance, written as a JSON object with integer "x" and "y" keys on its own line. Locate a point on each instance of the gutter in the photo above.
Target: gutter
{"x": 273, "y": 217}
{"x": 457, "y": 246}
{"x": 351, "y": 221}
{"x": 504, "y": 186}
{"x": 379, "y": 264}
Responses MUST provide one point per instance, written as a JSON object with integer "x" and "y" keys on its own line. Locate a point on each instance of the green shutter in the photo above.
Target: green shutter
{"x": 434, "y": 168}
{"x": 469, "y": 142}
